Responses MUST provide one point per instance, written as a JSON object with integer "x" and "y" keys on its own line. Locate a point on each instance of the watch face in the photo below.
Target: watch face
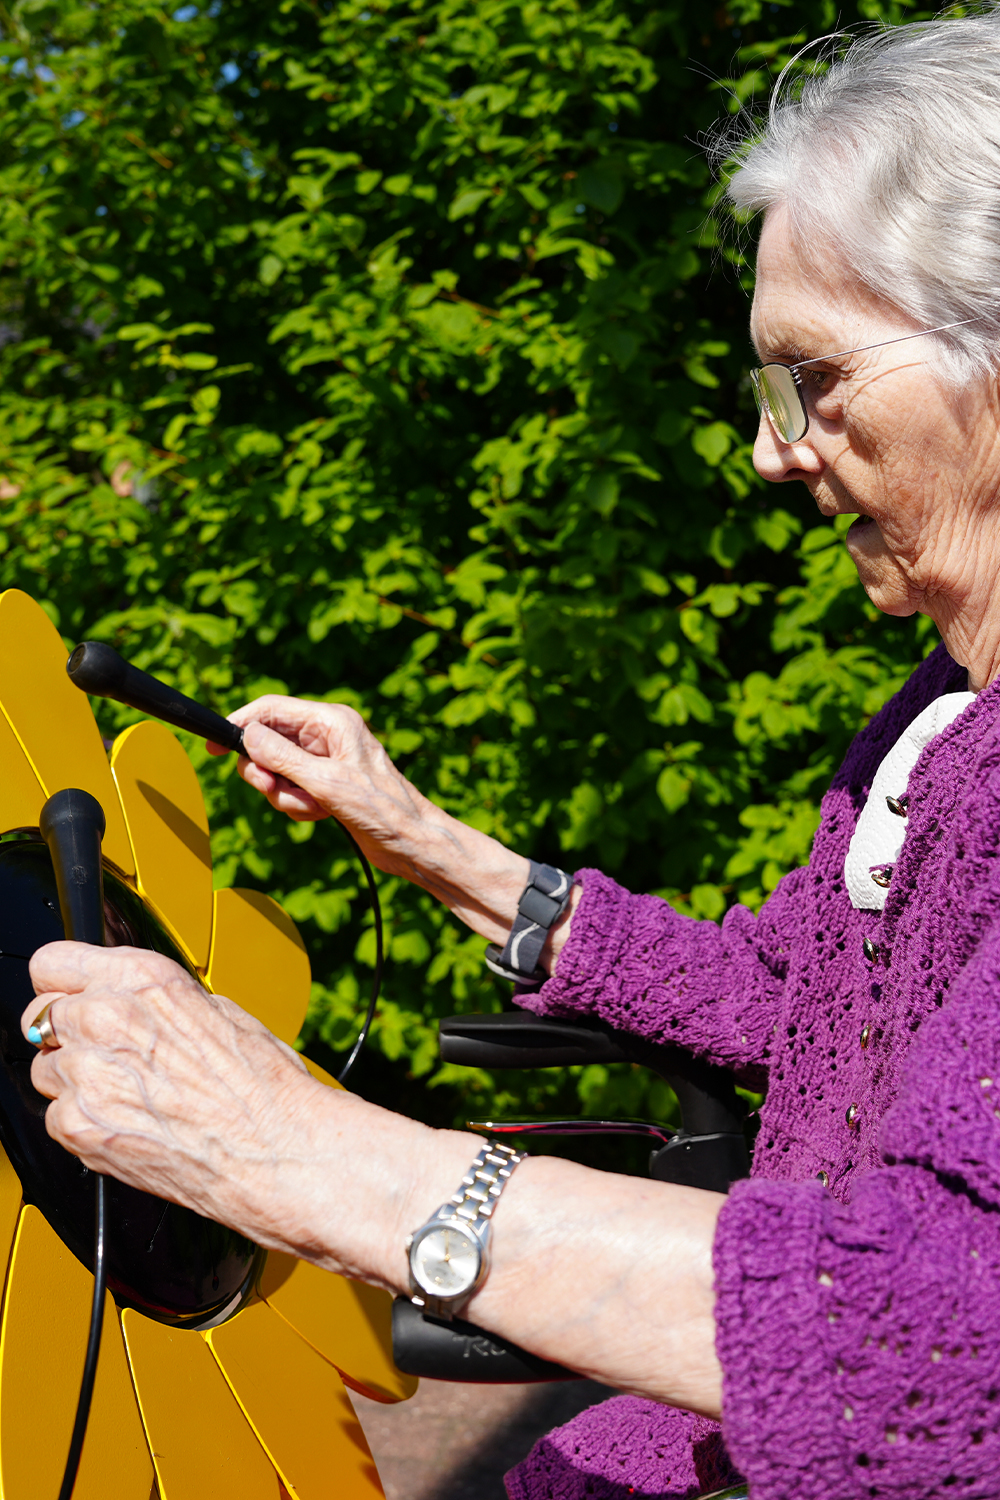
{"x": 445, "y": 1261}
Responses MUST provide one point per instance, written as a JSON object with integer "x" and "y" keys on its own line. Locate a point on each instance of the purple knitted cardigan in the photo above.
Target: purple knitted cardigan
{"x": 859, "y": 1322}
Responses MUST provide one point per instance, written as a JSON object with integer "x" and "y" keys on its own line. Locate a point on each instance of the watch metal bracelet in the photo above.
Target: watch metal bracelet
{"x": 482, "y": 1184}
{"x": 472, "y": 1206}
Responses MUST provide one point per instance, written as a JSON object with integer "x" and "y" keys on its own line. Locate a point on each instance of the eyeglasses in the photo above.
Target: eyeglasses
{"x": 778, "y": 387}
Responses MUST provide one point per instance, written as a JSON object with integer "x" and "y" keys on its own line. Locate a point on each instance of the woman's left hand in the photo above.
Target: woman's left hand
{"x": 168, "y": 1087}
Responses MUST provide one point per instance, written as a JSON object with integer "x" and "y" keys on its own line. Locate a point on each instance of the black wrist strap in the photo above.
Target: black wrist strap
{"x": 544, "y": 898}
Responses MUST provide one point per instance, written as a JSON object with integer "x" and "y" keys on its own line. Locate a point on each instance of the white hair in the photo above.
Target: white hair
{"x": 890, "y": 162}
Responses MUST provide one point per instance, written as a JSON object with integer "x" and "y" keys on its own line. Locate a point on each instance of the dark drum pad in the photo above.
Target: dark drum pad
{"x": 168, "y": 1262}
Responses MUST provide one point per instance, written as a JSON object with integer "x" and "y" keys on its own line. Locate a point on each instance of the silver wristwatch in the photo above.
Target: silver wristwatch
{"x": 450, "y": 1254}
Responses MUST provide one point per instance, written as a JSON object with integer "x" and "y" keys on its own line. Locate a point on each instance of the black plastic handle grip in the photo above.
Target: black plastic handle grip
{"x": 97, "y": 668}
{"x": 709, "y": 1151}
{"x": 519, "y": 1039}
{"x": 72, "y": 824}
{"x": 438, "y": 1350}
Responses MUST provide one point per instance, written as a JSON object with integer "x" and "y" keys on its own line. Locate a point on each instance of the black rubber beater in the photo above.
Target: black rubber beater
{"x": 72, "y": 824}
{"x": 97, "y": 668}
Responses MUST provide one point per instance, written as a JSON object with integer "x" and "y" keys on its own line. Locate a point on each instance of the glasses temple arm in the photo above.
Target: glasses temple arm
{"x": 863, "y": 348}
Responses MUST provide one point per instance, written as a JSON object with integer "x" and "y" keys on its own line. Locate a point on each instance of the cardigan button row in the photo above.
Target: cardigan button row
{"x": 873, "y": 953}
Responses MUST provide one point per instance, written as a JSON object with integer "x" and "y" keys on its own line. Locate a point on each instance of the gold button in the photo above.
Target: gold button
{"x": 852, "y": 1114}
{"x": 866, "y": 1032}
{"x": 823, "y": 1178}
{"x": 869, "y": 949}
{"x": 896, "y": 805}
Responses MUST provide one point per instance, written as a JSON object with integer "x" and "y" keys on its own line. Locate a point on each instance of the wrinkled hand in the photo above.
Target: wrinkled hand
{"x": 316, "y": 760}
{"x": 169, "y": 1088}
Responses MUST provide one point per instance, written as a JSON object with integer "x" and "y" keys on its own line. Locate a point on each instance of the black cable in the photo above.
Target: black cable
{"x": 379, "y": 960}
{"x": 93, "y": 1347}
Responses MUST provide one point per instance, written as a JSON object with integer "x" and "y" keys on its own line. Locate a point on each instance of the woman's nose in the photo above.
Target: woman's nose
{"x": 777, "y": 461}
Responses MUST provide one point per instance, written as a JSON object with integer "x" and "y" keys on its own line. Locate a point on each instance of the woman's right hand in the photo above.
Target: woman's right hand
{"x": 320, "y": 760}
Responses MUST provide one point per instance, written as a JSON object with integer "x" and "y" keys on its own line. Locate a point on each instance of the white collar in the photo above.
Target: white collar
{"x": 878, "y": 837}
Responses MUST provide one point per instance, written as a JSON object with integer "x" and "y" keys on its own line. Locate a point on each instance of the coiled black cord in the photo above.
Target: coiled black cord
{"x": 362, "y": 1036}
{"x": 93, "y": 1346}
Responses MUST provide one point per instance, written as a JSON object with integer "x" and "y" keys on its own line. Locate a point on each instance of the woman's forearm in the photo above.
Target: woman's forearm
{"x": 609, "y": 1275}
{"x": 475, "y": 876}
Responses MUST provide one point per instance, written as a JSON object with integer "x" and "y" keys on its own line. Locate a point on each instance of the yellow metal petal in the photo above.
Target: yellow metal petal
{"x": 298, "y": 1407}
{"x": 45, "y": 1320}
{"x": 52, "y": 719}
{"x": 167, "y": 824}
{"x": 349, "y": 1323}
{"x": 10, "y": 1208}
{"x": 201, "y": 1443}
{"x": 21, "y": 794}
{"x": 259, "y": 960}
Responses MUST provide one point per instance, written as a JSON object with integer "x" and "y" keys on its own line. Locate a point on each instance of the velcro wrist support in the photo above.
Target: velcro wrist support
{"x": 544, "y": 898}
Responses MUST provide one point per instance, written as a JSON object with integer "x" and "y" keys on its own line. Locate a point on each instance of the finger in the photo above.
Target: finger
{"x": 282, "y": 794}
{"x": 284, "y": 714}
{"x": 45, "y": 1075}
{"x": 67, "y": 968}
{"x": 281, "y": 756}
{"x": 65, "y": 1020}
{"x": 42, "y": 1031}
{"x": 67, "y": 1124}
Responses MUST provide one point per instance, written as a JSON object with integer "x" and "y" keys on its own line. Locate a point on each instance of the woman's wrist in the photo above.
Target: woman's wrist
{"x": 473, "y": 874}
{"x": 559, "y": 932}
{"x": 364, "y": 1180}
{"x": 480, "y": 880}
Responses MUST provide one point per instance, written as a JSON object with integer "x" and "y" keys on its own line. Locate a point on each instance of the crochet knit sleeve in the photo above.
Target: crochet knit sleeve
{"x": 640, "y": 966}
{"x": 860, "y": 1343}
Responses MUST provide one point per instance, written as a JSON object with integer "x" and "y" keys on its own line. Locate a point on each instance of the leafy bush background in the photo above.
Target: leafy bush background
{"x": 383, "y": 351}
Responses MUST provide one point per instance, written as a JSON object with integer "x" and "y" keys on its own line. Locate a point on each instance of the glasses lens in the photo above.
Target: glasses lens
{"x": 755, "y": 382}
{"x": 781, "y": 399}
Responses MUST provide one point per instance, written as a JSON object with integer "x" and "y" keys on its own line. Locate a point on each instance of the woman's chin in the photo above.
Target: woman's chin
{"x": 881, "y": 576}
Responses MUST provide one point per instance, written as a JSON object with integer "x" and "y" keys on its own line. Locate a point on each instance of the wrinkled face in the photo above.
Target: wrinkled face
{"x": 887, "y": 441}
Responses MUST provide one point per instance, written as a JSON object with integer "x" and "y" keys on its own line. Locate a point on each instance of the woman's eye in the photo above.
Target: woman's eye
{"x": 819, "y": 380}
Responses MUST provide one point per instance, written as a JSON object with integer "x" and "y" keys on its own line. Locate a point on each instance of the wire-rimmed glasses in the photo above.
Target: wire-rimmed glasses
{"x": 778, "y": 387}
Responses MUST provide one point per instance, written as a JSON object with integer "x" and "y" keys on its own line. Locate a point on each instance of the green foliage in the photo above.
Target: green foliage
{"x": 384, "y": 351}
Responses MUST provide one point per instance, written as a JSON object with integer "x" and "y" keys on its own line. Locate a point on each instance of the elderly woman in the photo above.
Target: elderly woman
{"x": 840, "y": 1311}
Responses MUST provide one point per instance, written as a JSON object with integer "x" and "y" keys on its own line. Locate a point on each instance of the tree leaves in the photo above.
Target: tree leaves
{"x": 385, "y": 353}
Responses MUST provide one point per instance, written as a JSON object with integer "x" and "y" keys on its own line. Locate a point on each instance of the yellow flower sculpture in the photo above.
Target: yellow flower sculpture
{"x": 255, "y": 1407}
